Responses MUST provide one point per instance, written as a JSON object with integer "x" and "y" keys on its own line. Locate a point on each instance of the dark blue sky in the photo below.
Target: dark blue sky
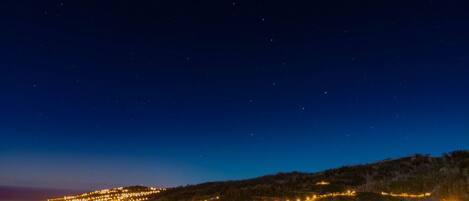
{"x": 150, "y": 92}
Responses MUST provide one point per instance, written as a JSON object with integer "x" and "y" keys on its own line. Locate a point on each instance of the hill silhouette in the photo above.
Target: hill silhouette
{"x": 422, "y": 176}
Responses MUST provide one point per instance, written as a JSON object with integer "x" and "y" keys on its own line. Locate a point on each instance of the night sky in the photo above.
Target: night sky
{"x": 98, "y": 94}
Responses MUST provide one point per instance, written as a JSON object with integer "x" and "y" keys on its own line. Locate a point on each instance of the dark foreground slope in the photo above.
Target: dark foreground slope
{"x": 446, "y": 178}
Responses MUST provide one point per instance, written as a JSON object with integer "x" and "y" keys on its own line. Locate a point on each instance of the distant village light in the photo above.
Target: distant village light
{"x": 116, "y": 194}
{"x": 407, "y": 195}
{"x": 322, "y": 183}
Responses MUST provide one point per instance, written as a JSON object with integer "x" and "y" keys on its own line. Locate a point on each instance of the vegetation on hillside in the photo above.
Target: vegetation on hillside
{"x": 446, "y": 176}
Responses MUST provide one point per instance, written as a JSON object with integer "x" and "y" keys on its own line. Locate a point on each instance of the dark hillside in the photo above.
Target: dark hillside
{"x": 442, "y": 177}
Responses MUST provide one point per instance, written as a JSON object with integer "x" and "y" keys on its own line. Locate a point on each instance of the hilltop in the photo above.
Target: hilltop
{"x": 417, "y": 177}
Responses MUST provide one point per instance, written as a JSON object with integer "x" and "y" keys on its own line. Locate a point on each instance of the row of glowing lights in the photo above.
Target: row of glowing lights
{"x": 407, "y": 195}
{"x": 402, "y": 195}
{"x": 214, "y": 198}
{"x": 348, "y": 193}
{"x": 123, "y": 194}
{"x": 118, "y": 194}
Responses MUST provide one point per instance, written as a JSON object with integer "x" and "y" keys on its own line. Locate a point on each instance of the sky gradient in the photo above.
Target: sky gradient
{"x": 112, "y": 93}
